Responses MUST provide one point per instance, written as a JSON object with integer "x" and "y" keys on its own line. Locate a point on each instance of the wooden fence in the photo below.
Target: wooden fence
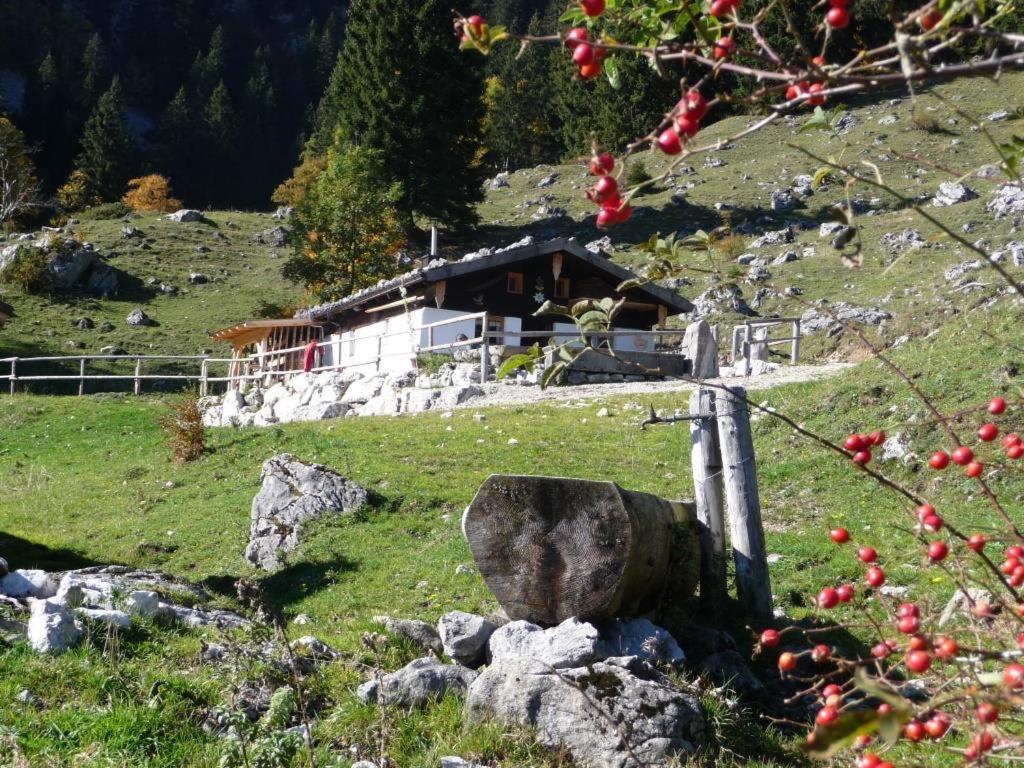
{"x": 747, "y": 338}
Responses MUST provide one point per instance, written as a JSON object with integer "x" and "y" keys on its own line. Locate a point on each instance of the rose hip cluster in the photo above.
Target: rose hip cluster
{"x": 585, "y": 54}
{"x": 963, "y": 456}
{"x": 688, "y": 114}
{"x": 860, "y": 445}
{"x": 605, "y": 192}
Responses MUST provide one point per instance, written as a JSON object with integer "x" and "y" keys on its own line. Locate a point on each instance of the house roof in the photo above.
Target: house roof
{"x": 524, "y": 250}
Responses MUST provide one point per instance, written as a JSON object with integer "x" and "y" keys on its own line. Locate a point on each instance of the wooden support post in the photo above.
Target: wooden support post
{"x": 14, "y": 374}
{"x": 204, "y": 375}
{"x": 740, "y": 480}
{"x": 81, "y": 377}
{"x": 137, "y": 383}
{"x": 737, "y": 330}
{"x": 746, "y": 349}
{"x": 795, "y": 357}
{"x": 484, "y": 350}
{"x": 706, "y": 458}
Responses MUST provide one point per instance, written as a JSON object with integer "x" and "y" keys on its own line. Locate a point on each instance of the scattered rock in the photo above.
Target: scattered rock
{"x": 1007, "y": 201}
{"x": 197, "y": 278}
{"x": 813, "y": 321}
{"x": 464, "y": 636}
{"x": 961, "y": 602}
{"x": 128, "y": 232}
{"x": 783, "y": 201}
{"x": 276, "y": 237}
{"x": 52, "y": 628}
{"x": 137, "y": 318}
{"x": 895, "y": 448}
{"x": 143, "y": 602}
{"x": 293, "y": 493}
{"x": 560, "y": 705}
{"x": 778, "y": 237}
{"x": 21, "y": 584}
{"x": 547, "y": 181}
{"x": 419, "y": 632}
{"x": 957, "y": 271}
{"x": 185, "y": 215}
{"x": 284, "y": 212}
{"x": 113, "y": 349}
{"x": 570, "y": 644}
{"x": 106, "y": 327}
{"x": 417, "y": 683}
{"x": 641, "y": 638}
{"x": 309, "y": 647}
{"x": 951, "y": 193}
{"x": 25, "y": 696}
{"x": 498, "y": 182}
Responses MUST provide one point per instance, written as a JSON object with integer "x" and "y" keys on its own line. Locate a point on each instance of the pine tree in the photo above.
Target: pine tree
{"x": 408, "y": 91}
{"x": 221, "y": 128}
{"x": 95, "y": 68}
{"x": 108, "y": 149}
{"x": 521, "y": 129}
{"x": 178, "y": 140}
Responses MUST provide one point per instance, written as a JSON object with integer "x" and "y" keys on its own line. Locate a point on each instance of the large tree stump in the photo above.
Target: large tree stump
{"x": 550, "y": 547}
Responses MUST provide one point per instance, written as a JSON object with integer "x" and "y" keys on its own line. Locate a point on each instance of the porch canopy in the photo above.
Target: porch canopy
{"x": 254, "y": 331}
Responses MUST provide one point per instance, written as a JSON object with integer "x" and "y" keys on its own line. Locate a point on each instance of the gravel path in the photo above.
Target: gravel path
{"x": 509, "y": 395}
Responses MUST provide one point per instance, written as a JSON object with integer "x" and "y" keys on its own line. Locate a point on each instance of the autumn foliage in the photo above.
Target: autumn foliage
{"x": 151, "y": 193}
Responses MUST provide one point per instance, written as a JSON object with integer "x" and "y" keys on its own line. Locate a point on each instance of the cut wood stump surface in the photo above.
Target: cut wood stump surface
{"x": 551, "y": 548}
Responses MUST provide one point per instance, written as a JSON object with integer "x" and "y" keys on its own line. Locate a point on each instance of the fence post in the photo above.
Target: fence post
{"x": 137, "y": 384}
{"x": 745, "y": 526}
{"x": 81, "y": 377}
{"x": 795, "y": 356}
{"x": 14, "y": 374}
{"x": 484, "y": 350}
{"x": 746, "y": 348}
{"x": 204, "y": 373}
{"x": 706, "y": 459}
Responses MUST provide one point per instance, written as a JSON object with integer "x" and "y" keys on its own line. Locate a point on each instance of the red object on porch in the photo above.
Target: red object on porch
{"x": 309, "y": 356}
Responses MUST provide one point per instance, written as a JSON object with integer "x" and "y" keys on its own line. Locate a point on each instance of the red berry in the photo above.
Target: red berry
{"x": 602, "y": 164}
{"x": 590, "y": 71}
{"x": 924, "y": 511}
{"x": 974, "y": 469}
{"x": 694, "y": 105}
{"x": 937, "y": 725}
{"x": 908, "y": 625}
{"x": 963, "y": 455}
{"x": 819, "y": 61}
{"x": 831, "y": 690}
{"x": 918, "y": 661}
{"x": 1015, "y": 551}
{"x": 917, "y": 643}
{"x": 770, "y": 638}
{"x": 837, "y": 17}
{"x": 1020, "y": 641}
{"x": 914, "y": 730}
{"x": 946, "y": 647}
{"x": 1009, "y": 565}
{"x": 869, "y": 760}
{"x": 854, "y": 443}
{"x": 862, "y": 457}
{"x": 877, "y": 437}
{"x": 980, "y": 742}
{"x": 605, "y": 189}
{"x": 908, "y": 609}
{"x": 669, "y": 142}
{"x": 607, "y": 217}
{"x": 996, "y": 406}
{"x": 787, "y": 661}
{"x": 1015, "y": 451}
{"x": 575, "y": 36}
{"x": 988, "y": 432}
{"x": 839, "y": 535}
{"x": 884, "y": 709}
{"x": 816, "y": 100}
{"x": 867, "y": 554}
{"x": 875, "y": 576}
{"x": 939, "y": 460}
{"x": 476, "y": 23}
{"x": 724, "y": 48}
{"x": 1013, "y": 676}
{"x": 720, "y": 8}
{"x": 976, "y": 541}
{"x": 880, "y": 651}
{"x": 929, "y": 20}
{"x": 686, "y": 126}
{"x": 937, "y": 551}
{"x": 624, "y": 212}
{"x": 828, "y": 598}
{"x": 932, "y": 523}
{"x": 987, "y": 712}
{"x": 1011, "y": 438}
{"x": 583, "y": 54}
{"x": 845, "y": 592}
{"x": 826, "y": 716}
{"x": 820, "y": 653}
{"x": 592, "y": 7}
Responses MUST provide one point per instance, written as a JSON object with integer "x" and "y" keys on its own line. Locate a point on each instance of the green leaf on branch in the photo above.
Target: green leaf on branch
{"x": 821, "y": 175}
{"x": 611, "y": 71}
{"x": 823, "y": 120}
{"x": 526, "y": 361}
{"x": 551, "y": 308}
{"x": 1013, "y": 155}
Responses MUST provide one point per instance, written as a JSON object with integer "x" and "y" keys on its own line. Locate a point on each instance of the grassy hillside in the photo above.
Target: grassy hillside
{"x": 914, "y": 154}
{"x": 90, "y": 480}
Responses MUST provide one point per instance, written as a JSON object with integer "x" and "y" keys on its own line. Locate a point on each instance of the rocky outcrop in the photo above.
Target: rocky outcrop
{"x": 617, "y": 713}
{"x": 73, "y": 266}
{"x": 1007, "y": 201}
{"x": 52, "y": 628}
{"x": 185, "y": 215}
{"x": 138, "y": 319}
{"x": 464, "y": 636}
{"x": 815, "y": 321}
{"x": 292, "y": 494}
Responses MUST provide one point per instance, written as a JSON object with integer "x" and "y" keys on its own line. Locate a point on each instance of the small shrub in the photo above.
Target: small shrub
{"x": 270, "y": 309}
{"x": 29, "y": 270}
{"x": 430, "y": 363}
{"x": 151, "y": 193}
{"x": 78, "y": 193}
{"x": 293, "y": 190}
{"x": 637, "y": 173}
{"x": 730, "y": 246}
{"x": 186, "y": 436}
{"x": 105, "y": 212}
